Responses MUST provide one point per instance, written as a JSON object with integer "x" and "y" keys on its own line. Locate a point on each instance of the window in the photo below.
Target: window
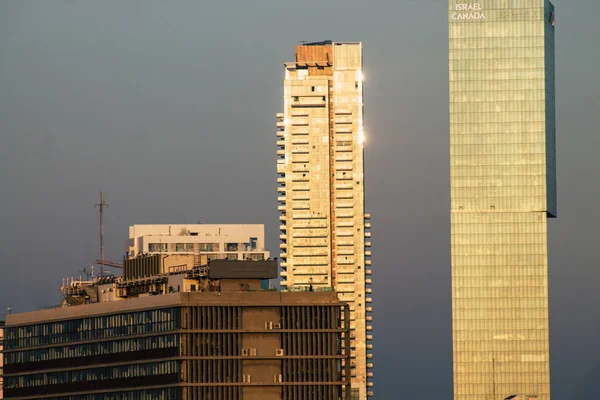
{"x": 158, "y": 247}
{"x": 209, "y": 247}
{"x": 231, "y": 247}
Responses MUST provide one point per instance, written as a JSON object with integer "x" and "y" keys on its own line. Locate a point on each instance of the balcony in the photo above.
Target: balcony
{"x": 367, "y": 272}
{"x": 280, "y": 134}
{"x": 283, "y": 255}
{"x": 283, "y": 236}
{"x": 282, "y": 227}
{"x": 368, "y": 281}
{"x": 369, "y": 309}
{"x": 367, "y": 262}
{"x": 281, "y": 189}
{"x": 368, "y": 234}
{"x": 368, "y": 253}
{"x": 369, "y": 300}
{"x": 281, "y": 199}
{"x": 281, "y": 180}
{"x": 367, "y": 216}
{"x": 283, "y": 274}
{"x": 283, "y": 283}
{"x": 283, "y": 245}
{"x": 367, "y": 244}
{"x": 281, "y": 208}
{"x": 283, "y": 264}
{"x": 369, "y": 337}
{"x": 281, "y": 143}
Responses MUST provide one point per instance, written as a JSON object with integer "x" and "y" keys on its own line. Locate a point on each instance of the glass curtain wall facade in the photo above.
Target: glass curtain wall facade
{"x": 503, "y": 189}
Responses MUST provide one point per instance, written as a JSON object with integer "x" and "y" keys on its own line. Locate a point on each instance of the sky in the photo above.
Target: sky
{"x": 168, "y": 107}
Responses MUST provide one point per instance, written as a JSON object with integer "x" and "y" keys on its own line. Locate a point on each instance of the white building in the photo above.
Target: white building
{"x": 321, "y": 192}
{"x": 230, "y": 241}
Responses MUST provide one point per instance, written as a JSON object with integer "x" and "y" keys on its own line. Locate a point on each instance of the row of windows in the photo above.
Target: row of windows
{"x": 93, "y": 349}
{"x": 526, "y": 287}
{"x": 498, "y": 96}
{"x": 500, "y": 306}
{"x": 92, "y": 328}
{"x": 478, "y": 342}
{"x": 491, "y": 43}
{"x": 491, "y": 117}
{"x": 516, "y": 237}
{"x": 536, "y": 373}
{"x": 498, "y": 107}
{"x": 498, "y": 170}
{"x": 148, "y": 394}
{"x": 494, "y": 85}
{"x": 516, "y": 218}
{"x": 94, "y": 374}
{"x": 488, "y": 75}
{"x": 499, "y": 139}
{"x": 496, "y": 313}
{"x": 498, "y": 149}
{"x": 471, "y": 228}
{"x": 503, "y": 327}
{"x": 529, "y": 51}
{"x": 500, "y": 269}
{"x": 494, "y": 29}
{"x": 516, "y": 65}
{"x": 498, "y": 249}
{"x": 479, "y": 195}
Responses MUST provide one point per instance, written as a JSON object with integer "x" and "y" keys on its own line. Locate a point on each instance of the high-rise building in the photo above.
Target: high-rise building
{"x": 226, "y": 339}
{"x": 321, "y": 189}
{"x": 503, "y": 190}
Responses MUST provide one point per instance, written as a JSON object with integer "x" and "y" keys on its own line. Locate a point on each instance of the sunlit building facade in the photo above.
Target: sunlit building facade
{"x": 324, "y": 236}
{"x": 503, "y": 190}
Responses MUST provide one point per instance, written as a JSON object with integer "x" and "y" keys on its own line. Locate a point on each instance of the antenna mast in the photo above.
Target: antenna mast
{"x": 101, "y": 206}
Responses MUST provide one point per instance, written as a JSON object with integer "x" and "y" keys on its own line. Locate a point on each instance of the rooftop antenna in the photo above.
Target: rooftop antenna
{"x": 101, "y": 206}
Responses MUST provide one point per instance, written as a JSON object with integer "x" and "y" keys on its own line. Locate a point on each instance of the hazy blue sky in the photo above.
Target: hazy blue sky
{"x": 169, "y": 107}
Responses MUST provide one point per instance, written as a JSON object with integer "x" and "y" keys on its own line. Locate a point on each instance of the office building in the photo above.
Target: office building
{"x": 227, "y": 340}
{"x": 211, "y": 241}
{"x": 503, "y": 190}
{"x": 321, "y": 192}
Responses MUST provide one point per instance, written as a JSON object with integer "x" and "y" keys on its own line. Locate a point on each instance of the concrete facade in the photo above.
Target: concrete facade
{"x": 320, "y": 170}
{"x": 233, "y": 241}
{"x": 503, "y": 191}
{"x": 226, "y": 345}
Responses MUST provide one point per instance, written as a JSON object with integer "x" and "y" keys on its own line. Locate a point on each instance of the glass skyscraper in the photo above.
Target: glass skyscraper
{"x": 503, "y": 190}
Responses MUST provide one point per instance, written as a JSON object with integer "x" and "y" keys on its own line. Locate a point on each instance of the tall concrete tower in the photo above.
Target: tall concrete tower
{"x": 324, "y": 236}
{"x": 503, "y": 190}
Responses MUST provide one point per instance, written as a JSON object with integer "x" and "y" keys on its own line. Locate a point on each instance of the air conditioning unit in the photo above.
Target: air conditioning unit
{"x": 277, "y": 378}
{"x": 246, "y": 378}
{"x": 276, "y": 325}
{"x": 279, "y": 352}
{"x": 245, "y": 352}
{"x": 268, "y": 325}
{"x": 252, "y": 352}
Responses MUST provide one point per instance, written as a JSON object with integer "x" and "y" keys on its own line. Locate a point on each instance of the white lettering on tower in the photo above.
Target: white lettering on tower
{"x": 472, "y": 11}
